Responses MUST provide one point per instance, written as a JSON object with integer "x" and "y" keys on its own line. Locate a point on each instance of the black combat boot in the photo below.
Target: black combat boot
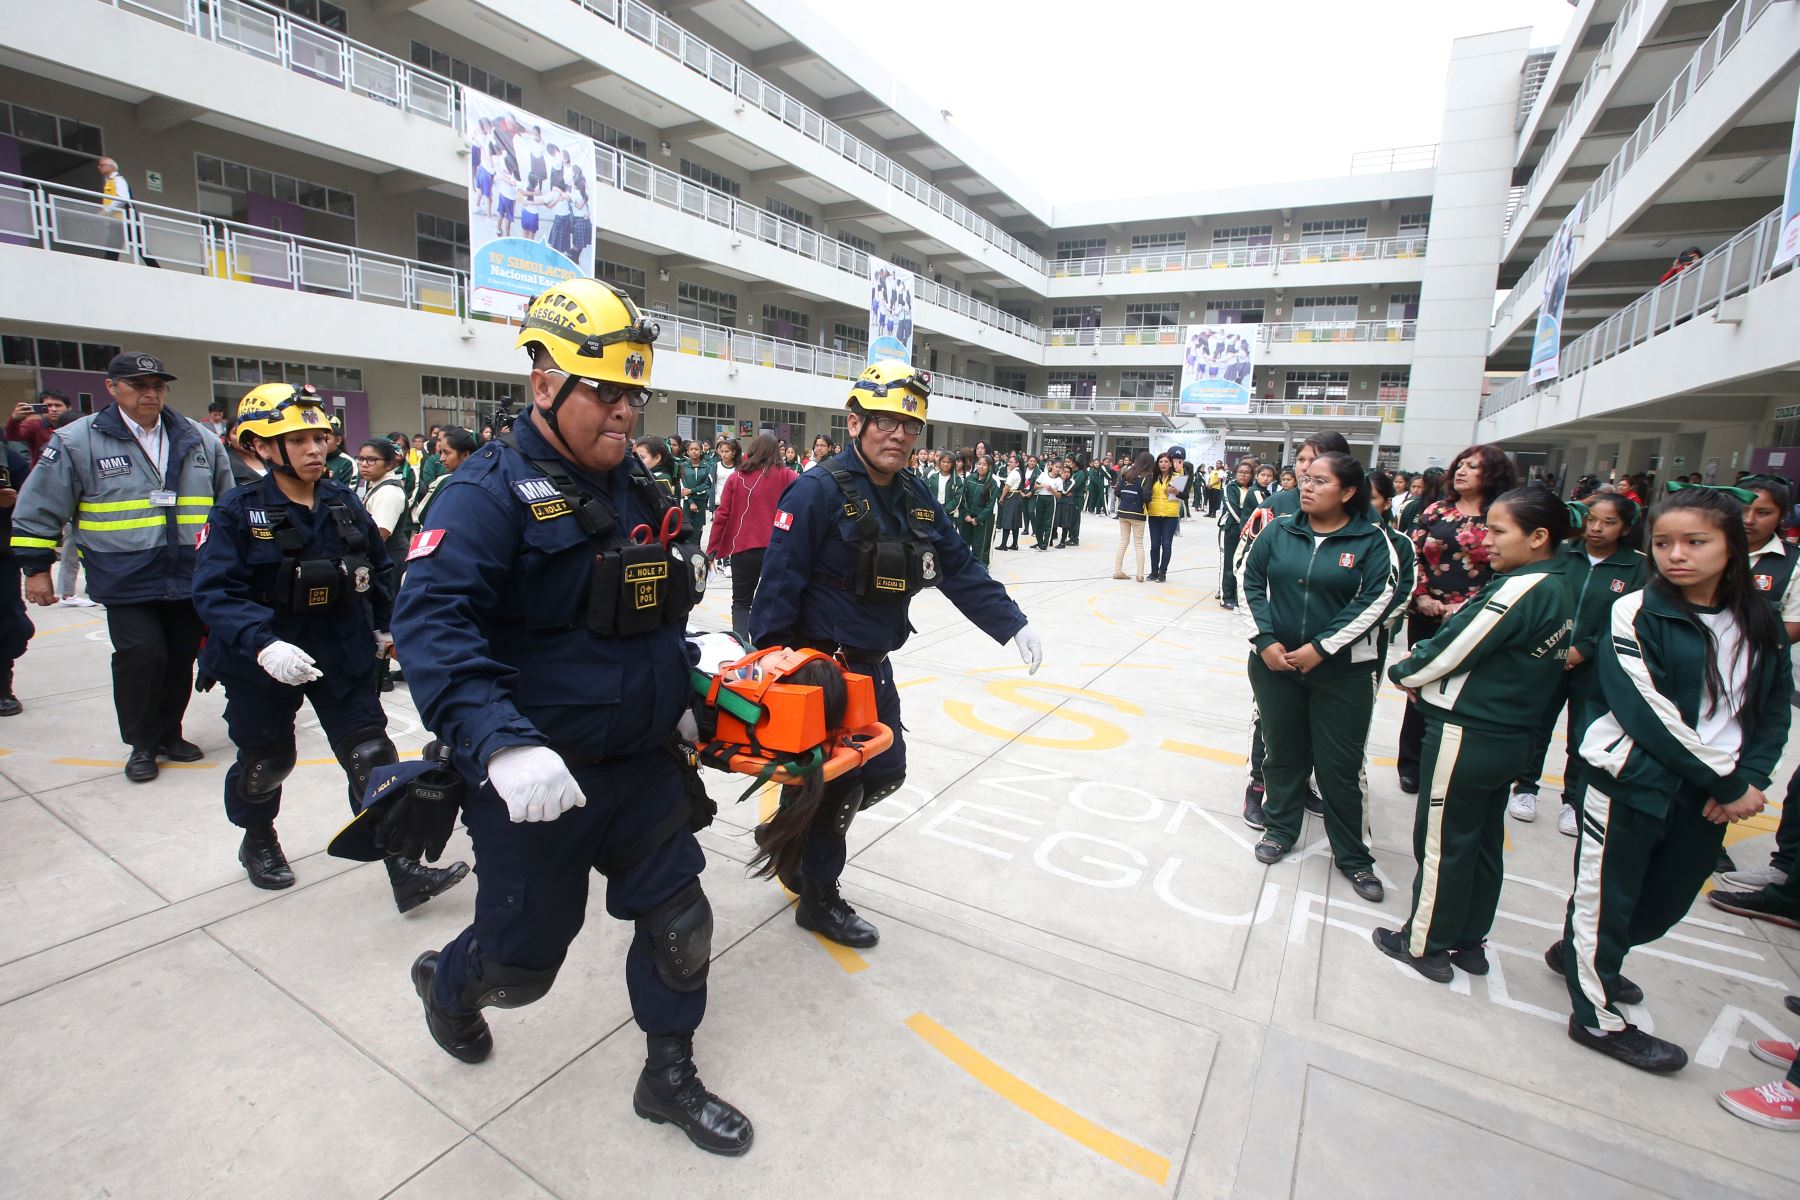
{"x": 669, "y": 1090}
{"x": 415, "y": 883}
{"x": 9, "y": 703}
{"x": 460, "y": 1035}
{"x": 828, "y": 914}
{"x": 263, "y": 860}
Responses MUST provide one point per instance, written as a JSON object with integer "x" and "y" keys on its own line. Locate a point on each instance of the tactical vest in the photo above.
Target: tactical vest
{"x": 886, "y": 564}
{"x": 1771, "y": 574}
{"x": 634, "y": 587}
{"x": 308, "y": 586}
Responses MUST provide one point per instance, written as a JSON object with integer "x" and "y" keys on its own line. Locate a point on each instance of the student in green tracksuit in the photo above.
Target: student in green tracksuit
{"x": 1601, "y": 569}
{"x": 1695, "y": 679}
{"x": 1075, "y": 490}
{"x": 1382, "y": 495}
{"x": 976, "y": 516}
{"x": 1239, "y": 499}
{"x": 694, "y": 481}
{"x": 1318, "y": 584}
{"x": 1480, "y": 681}
{"x": 945, "y": 482}
{"x": 342, "y": 466}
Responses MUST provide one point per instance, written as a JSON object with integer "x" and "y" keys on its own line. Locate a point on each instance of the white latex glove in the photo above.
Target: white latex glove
{"x": 384, "y": 644}
{"x": 1031, "y": 648}
{"x": 288, "y": 663}
{"x": 535, "y": 783}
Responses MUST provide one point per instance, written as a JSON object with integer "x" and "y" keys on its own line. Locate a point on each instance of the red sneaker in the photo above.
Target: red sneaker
{"x": 1772, "y": 1105}
{"x": 1780, "y": 1054}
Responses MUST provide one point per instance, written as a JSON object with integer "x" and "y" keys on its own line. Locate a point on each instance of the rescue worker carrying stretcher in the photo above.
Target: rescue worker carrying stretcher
{"x": 543, "y": 629}
{"x": 855, "y": 539}
{"x": 297, "y": 592}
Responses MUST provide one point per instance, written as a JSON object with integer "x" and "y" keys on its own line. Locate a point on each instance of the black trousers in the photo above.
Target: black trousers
{"x": 1412, "y": 725}
{"x": 154, "y": 647}
{"x": 746, "y": 572}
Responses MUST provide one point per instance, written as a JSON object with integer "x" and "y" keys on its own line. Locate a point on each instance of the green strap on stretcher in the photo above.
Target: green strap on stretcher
{"x": 744, "y": 710}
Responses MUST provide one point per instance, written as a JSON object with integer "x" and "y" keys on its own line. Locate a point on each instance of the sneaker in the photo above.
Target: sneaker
{"x": 1253, "y": 807}
{"x": 1754, "y": 905}
{"x": 1366, "y": 885}
{"x": 1567, "y": 823}
{"x": 1776, "y": 1054}
{"x": 1409, "y": 784}
{"x": 76, "y": 602}
{"x": 1435, "y": 967}
{"x": 1623, "y": 991}
{"x": 1315, "y": 803}
{"x": 1120, "y": 575}
{"x": 1633, "y": 1047}
{"x": 1269, "y": 851}
{"x": 1471, "y": 957}
{"x": 1522, "y": 806}
{"x": 1771, "y": 1105}
{"x": 1755, "y": 879}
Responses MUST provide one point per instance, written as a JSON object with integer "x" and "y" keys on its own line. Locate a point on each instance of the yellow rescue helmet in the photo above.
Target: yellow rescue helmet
{"x": 892, "y": 386}
{"x": 593, "y": 331}
{"x": 273, "y": 409}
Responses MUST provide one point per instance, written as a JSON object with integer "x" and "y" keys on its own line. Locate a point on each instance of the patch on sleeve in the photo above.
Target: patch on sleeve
{"x": 424, "y": 542}
{"x": 200, "y": 538}
{"x": 258, "y": 521}
{"x": 50, "y": 453}
{"x": 783, "y": 519}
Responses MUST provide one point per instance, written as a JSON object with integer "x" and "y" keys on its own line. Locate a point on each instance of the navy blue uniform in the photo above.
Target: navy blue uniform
{"x": 237, "y": 577}
{"x": 797, "y": 603}
{"x": 16, "y": 628}
{"x": 491, "y": 627}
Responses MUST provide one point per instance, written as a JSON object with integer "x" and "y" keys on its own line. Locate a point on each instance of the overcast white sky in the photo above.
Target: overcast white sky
{"x": 1086, "y": 100}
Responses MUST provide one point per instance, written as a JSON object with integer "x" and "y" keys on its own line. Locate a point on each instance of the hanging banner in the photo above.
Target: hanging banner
{"x": 1216, "y": 364}
{"x": 890, "y": 312}
{"x": 1201, "y": 446}
{"x": 1787, "y": 245}
{"x": 1546, "y": 343}
{"x": 531, "y": 194}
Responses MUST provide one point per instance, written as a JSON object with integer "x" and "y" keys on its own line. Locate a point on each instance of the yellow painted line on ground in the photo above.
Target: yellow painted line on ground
{"x": 1064, "y": 1120}
{"x": 1237, "y": 674}
{"x": 1182, "y": 646}
{"x": 900, "y": 687}
{"x": 1382, "y": 760}
{"x": 852, "y": 962}
{"x": 115, "y": 762}
{"x": 766, "y": 802}
{"x": 1130, "y": 666}
{"x": 1506, "y": 842}
{"x": 1194, "y": 750}
{"x": 62, "y": 628}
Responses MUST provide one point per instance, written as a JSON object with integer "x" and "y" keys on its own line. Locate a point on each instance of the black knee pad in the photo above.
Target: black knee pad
{"x": 843, "y": 800}
{"x": 263, "y": 772}
{"x": 367, "y": 751}
{"x": 502, "y": 985}
{"x": 678, "y": 938}
{"x": 882, "y": 790}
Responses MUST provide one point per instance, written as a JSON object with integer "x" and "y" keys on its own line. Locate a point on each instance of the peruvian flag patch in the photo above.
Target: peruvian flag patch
{"x": 784, "y": 520}
{"x": 424, "y": 542}
{"x": 1617, "y": 585}
{"x": 200, "y": 538}
{"x": 1346, "y": 560}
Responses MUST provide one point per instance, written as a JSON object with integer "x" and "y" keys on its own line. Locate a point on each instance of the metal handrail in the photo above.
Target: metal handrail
{"x": 1290, "y": 254}
{"x": 1725, "y": 37}
{"x": 75, "y": 220}
{"x": 1602, "y": 61}
{"x": 1745, "y": 262}
{"x": 1268, "y": 333}
{"x": 658, "y": 31}
{"x": 1396, "y": 158}
{"x": 1166, "y": 406}
{"x": 310, "y": 49}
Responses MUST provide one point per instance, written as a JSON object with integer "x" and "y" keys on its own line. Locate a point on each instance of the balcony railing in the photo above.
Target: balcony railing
{"x": 1741, "y": 264}
{"x": 72, "y": 220}
{"x": 1268, "y": 333}
{"x": 1296, "y": 254}
{"x": 311, "y": 50}
{"x": 1535, "y": 71}
{"x": 1397, "y": 158}
{"x": 654, "y": 29}
{"x": 1602, "y": 61}
{"x": 1724, "y": 38}
{"x": 1165, "y": 406}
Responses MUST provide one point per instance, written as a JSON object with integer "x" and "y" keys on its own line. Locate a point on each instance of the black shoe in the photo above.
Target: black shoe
{"x": 387, "y": 683}
{"x": 1623, "y": 990}
{"x": 1364, "y": 884}
{"x": 179, "y": 749}
{"x": 415, "y": 883}
{"x": 265, "y": 864}
{"x": 1253, "y": 807}
{"x": 1409, "y": 784}
{"x": 828, "y": 914}
{"x": 1471, "y": 957}
{"x": 1754, "y": 905}
{"x": 669, "y": 1091}
{"x": 1724, "y": 866}
{"x": 1633, "y": 1047}
{"x": 1269, "y": 851}
{"x": 141, "y": 766}
{"x": 460, "y": 1035}
{"x": 9, "y": 704}
{"x": 1435, "y": 967}
{"x": 1315, "y": 803}
{"x": 1793, "y": 1003}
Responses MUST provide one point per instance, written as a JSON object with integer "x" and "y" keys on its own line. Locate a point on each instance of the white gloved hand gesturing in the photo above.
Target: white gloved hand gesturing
{"x": 1031, "y": 648}
{"x": 288, "y": 663}
{"x": 535, "y": 783}
{"x": 384, "y": 644}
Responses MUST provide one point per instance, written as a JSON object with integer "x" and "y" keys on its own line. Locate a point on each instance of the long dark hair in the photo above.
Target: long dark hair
{"x": 1349, "y": 473}
{"x": 1433, "y": 489}
{"x": 1628, "y": 513}
{"x": 1754, "y": 615}
{"x": 656, "y": 444}
{"x": 1140, "y": 467}
{"x": 781, "y": 840}
{"x": 764, "y": 452}
{"x": 1497, "y": 473}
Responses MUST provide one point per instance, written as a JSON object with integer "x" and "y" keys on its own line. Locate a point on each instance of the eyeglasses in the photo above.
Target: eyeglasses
{"x": 888, "y": 422}
{"x": 1317, "y": 481}
{"x": 612, "y": 393}
{"x": 146, "y": 383}
{"x": 369, "y": 458}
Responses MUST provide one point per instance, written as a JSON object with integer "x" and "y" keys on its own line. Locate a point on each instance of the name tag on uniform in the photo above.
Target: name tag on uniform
{"x": 542, "y": 498}
{"x": 922, "y": 514}
{"x": 115, "y": 464}
{"x": 258, "y": 520}
{"x": 162, "y": 499}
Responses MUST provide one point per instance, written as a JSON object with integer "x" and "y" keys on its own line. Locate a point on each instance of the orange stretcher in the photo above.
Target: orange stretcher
{"x": 777, "y": 731}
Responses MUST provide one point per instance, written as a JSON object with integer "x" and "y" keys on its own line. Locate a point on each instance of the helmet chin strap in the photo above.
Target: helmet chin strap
{"x": 562, "y": 394}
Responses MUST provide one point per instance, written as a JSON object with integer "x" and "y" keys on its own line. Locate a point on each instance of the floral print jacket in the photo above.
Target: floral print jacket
{"x": 1453, "y": 561}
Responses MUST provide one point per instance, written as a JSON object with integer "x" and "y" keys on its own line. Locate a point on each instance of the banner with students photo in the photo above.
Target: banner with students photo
{"x": 1216, "y": 364}
{"x": 1202, "y": 447}
{"x": 1787, "y": 242}
{"x": 1546, "y": 343}
{"x": 531, "y": 197}
{"x": 890, "y": 312}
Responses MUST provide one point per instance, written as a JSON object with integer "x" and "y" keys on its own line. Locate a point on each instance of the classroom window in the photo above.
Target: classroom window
{"x": 1066, "y": 385}
{"x": 700, "y": 303}
{"x": 1147, "y": 385}
{"x": 1081, "y": 248}
{"x": 783, "y": 209}
{"x": 1245, "y": 310}
{"x": 1341, "y": 229}
{"x": 442, "y": 241}
{"x": 785, "y": 323}
{"x": 1316, "y": 385}
{"x": 605, "y": 134}
{"x": 473, "y": 77}
{"x": 711, "y": 178}
{"x": 1152, "y": 314}
{"x": 1075, "y": 316}
{"x": 629, "y": 280}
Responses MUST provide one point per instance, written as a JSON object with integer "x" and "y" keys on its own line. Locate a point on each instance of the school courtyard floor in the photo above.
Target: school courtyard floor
{"x": 1086, "y": 986}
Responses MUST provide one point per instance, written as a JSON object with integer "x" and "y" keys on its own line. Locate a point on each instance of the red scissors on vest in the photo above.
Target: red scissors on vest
{"x": 671, "y": 529}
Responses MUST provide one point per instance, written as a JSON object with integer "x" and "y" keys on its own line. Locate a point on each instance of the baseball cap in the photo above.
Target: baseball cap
{"x": 132, "y": 364}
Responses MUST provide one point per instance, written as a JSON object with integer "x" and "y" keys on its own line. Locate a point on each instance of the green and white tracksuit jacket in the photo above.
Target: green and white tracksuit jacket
{"x": 1493, "y": 662}
{"x": 1331, "y": 594}
{"x": 1646, "y": 745}
{"x": 136, "y": 522}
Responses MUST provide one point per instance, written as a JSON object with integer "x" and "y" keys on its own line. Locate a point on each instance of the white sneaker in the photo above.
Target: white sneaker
{"x": 76, "y": 602}
{"x": 1522, "y": 806}
{"x": 1567, "y": 822}
{"x": 1756, "y": 878}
